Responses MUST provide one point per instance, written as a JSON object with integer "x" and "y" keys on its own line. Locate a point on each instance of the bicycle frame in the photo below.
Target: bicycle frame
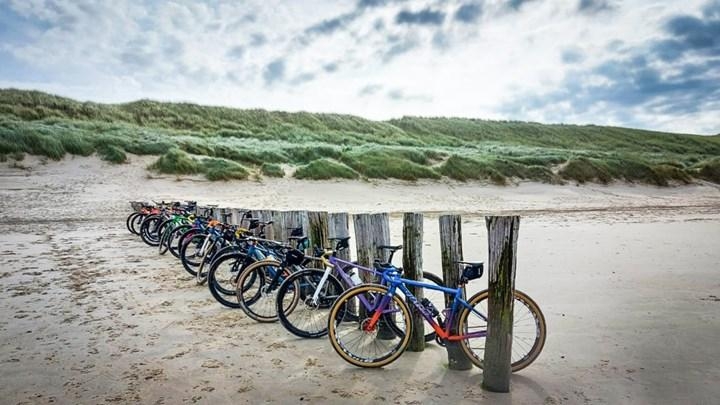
{"x": 395, "y": 282}
{"x": 337, "y": 266}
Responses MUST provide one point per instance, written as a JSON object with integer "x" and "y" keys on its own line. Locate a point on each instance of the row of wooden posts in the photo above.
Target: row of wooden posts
{"x": 372, "y": 230}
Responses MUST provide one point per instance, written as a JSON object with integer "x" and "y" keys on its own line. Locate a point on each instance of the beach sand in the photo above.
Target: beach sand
{"x": 628, "y": 278}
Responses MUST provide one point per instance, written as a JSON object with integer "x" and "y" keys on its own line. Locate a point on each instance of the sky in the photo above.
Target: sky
{"x": 635, "y": 63}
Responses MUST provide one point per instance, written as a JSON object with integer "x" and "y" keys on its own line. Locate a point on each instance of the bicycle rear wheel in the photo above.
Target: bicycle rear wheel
{"x": 354, "y": 336}
{"x": 529, "y": 330}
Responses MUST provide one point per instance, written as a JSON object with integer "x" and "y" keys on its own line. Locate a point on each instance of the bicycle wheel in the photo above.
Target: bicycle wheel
{"x": 149, "y": 230}
{"x": 529, "y": 330}
{"x": 174, "y": 239}
{"x": 309, "y": 318}
{"x": 258, "y": 298}
{"x": 223, "y": 276}
{"x": 190, "y": 253}
{"x": 163, "y": 246}
{"x": 351, "y": 333}
{"x": 210, "y": 250}
{"x": 135, "y": 223}
{"x": 129, "y": 221}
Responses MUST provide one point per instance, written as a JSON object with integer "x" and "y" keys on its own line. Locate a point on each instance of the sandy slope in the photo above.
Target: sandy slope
{"x": 627, "y": 276}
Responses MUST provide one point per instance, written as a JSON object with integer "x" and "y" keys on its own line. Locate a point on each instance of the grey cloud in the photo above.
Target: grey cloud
{"x": 690, "y": 34}
{"x": 236, "y": 52}
{"x": 468, "y": 13}
{"x": 369, "y": 90}
{"x": 399, "y": 94}
{"x": 516, "y": 4}
{"x": 572, "y": 55}
{"x": 423, "y": 17}
{"x": 257, "y": 39}
{"x": 629, "y": 83}
{"x": 398, "y": 48}
{"x": 274, "y": 71}
{"x": 440, "y": 40}
{"x": 375, "y": 3}
{"x": 655, "y": 76}
{"x": 302, "y": 78}
{"x": 594, "y": 6}
{"x": 331, "y": 25}
{"x": 330, "y": 67}
{"x": 137, "y": 58}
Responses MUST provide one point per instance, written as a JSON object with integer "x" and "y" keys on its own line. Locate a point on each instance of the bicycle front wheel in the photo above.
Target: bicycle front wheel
{"x": 529, "y": 330}
{"x": 257, "y": 289}
{"x": 309, "y": 319}
{"x": 354, "y": 336}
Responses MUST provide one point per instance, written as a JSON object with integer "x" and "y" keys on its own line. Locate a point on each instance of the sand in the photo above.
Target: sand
{"x": 628, "y": 278}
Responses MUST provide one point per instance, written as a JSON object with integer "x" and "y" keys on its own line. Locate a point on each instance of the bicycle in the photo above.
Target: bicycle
{"x": 320, "y": 289}
{"x": 357, "y": 334}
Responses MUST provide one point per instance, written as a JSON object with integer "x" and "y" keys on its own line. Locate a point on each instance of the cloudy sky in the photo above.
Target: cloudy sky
{"x": 638, "y": 63}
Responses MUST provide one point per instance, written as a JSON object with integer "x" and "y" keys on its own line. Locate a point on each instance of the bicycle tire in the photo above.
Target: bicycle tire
{"x": 184, "y": 237}
{"x": 129, "y": 220}
{"x": 149, "y": 228}
{"x": 308, "y": 319}
{"x": 258, "y": 299}
{"x": 136, "y": 222}
{"x": 222, "y": 288}
{"x": 206, "y": 262}
{"x": 345, "y": 326}
{"x": 189, "y": 251}
{"x": 174, "y": 239}
{"x": 528, "y": 337}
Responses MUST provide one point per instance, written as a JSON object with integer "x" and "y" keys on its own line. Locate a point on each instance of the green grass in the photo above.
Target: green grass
{"x": 176, "y": 161}
{"x": 112, "y": 154}
{"x": 409, "y": 148}
{"x": 222, "y": 169}
{"x": 383, "y": 164}
{"x": 464, "y": 169}
{"x": 323, "y": 169}
{"x": 272, "y": 170}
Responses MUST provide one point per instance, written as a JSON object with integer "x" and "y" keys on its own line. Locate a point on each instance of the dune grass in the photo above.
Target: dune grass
{"x": 112, "y": 154}
{"x": 222, "y": 169}
{"x": 410, "y": 148}
{"x": 272, "y": 170}
{"x": 383, "y": 164}
{"x": 323, "y": 169}
{"x": 176, "y": 161}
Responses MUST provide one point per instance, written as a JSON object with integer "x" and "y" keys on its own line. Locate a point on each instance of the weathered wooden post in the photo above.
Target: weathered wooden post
{"x": 319, "y": 231}
{"x": 502, "y": 260}
{"x": 451, "y": 251}
{"x": 412, "y": 266}
{"x": 339, "y": 227}
{"x": 371, "y": 231}
{"x": 278, "y": 226}
{"x": 235, "y": 218}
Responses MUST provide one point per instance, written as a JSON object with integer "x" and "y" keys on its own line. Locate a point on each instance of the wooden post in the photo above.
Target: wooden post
{"x": 502, "y": 260}
{"x": 451, "y": 251}
{"x": 278, "y": 226}
{"x": 319, "y": 230}
{"x": 371, "y": 231}
{"x": 235, "y": 218}
{"x": 412, "y": 266}
{"x": 339, "y": 227}
{"x": 264, "y": 216}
